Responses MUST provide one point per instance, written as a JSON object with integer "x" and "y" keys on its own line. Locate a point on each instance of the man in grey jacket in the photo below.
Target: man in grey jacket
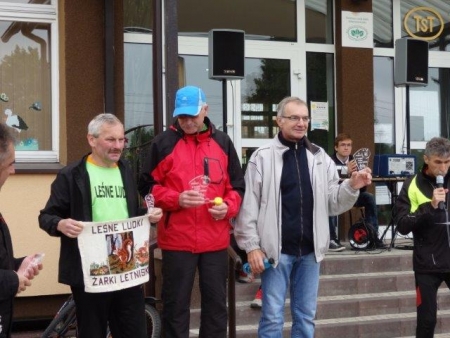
{"x": 292, "y": 186}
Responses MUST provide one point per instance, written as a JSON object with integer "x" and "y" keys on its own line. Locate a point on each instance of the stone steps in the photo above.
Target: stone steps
{"x": 360, "y": 295}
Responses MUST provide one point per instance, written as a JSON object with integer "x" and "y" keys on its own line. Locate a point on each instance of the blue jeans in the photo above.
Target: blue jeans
{"x": 302, "y": 275}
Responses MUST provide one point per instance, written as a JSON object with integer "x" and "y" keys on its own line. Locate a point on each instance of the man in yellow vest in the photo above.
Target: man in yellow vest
{"x": 422, "y": 208}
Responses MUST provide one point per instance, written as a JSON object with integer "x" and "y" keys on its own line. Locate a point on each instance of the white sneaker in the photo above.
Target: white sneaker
{"x": 245, "y": 277}
{"x": 257, "y": 302}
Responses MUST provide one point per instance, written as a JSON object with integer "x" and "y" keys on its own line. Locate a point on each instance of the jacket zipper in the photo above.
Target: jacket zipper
{"x": 300, "y": 191}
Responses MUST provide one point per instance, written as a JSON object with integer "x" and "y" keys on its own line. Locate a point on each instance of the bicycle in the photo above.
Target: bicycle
{"x": 64, "y": 324}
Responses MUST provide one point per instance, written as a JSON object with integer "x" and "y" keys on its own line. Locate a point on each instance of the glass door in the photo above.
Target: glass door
{"x": 269, "y": 76}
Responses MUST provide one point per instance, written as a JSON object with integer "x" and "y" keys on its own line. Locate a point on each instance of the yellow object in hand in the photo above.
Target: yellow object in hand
{"x": 218, "y": 201}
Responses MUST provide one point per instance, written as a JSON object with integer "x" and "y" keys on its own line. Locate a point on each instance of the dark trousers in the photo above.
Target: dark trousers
{"x": 367, "y": 200}
{"x": 332, "y": 223}
{"x": 427, "y": 286}
{"x": 123, "y": 309}
{"x": 178, "y": 269}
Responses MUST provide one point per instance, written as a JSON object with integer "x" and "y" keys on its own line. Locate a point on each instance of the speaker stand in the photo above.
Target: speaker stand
{"x": 224, "y": 105}
{"x": 408, "y": 122}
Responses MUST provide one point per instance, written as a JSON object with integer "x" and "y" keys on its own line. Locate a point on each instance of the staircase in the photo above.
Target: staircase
{"x": 361, "y": 295}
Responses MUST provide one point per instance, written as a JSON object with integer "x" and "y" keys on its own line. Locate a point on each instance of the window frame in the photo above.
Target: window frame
{"x": 47, "y": 13}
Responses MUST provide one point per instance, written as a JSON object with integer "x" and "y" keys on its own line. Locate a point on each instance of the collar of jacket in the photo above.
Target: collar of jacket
{"x": 211, "y": 130}
{"x": 303, "y": 142}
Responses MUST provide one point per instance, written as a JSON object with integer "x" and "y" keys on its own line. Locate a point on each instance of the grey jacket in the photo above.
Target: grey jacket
{"x": 258, "y": 225}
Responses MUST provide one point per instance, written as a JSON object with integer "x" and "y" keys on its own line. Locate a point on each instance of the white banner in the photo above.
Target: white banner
{"x": 115, "y": 254}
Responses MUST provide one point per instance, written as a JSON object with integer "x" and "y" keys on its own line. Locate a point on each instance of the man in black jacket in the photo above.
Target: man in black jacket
{"x": 77, "y": 194}
{"x": 422, "y": 208}
{"x": 15, "y": 273}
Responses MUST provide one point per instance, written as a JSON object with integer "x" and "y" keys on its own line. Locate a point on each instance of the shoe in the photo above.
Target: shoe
{"x": 245, "y": 277}
{"x": 379, "y": 244}
{"x": 257, "y": 302}
{"x": 335, "y": 246}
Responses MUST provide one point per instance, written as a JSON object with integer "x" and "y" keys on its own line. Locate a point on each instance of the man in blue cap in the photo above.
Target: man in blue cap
{"x": 194, "y": 173}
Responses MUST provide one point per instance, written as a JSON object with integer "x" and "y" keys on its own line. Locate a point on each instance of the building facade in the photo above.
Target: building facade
{"x": 62, "y": 62}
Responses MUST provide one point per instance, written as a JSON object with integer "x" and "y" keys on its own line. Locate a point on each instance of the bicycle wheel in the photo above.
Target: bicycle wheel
{"x": 153, "y": 321}
{"x": 64, "y": 321}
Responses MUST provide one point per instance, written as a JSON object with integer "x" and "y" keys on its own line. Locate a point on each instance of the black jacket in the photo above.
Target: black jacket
{"x": 9, "y": 282}
{"x": 415, "y": 214}
{"x": 70, "y": 197}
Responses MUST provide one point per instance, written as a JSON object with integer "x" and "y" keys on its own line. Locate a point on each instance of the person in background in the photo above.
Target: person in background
{"x": 291, "y": 187}
{"x": 189, "y": 165}
{"x": 15, "y": 273}
{"x": 422, "y": 208}
{"x": 74, "y": 198}
{"x": 335, "y": 244}
{"x": 346, "y": 165}
{"x": 241, "y": 275}
{"x": 257, "y": 301}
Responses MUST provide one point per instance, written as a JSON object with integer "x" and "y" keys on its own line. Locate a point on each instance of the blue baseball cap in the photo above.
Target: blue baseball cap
{"x": 189, "y": 101}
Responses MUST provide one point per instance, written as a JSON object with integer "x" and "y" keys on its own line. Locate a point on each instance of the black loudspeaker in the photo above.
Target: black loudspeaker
{"x": 411, "y": 62}
{"x": 226, "y": 54}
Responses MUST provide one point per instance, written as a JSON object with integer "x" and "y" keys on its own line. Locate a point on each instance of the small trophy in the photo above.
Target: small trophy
{"x": 361, "y": 158}
{"x": 200, "y": 184}
{"x": 150, "y": 201}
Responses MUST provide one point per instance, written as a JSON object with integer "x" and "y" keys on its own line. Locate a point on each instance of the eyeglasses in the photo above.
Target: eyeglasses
{"x": 297, "y": 119}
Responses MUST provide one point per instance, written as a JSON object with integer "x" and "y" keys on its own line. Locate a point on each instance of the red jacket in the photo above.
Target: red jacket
{"x": 175, "y": 159}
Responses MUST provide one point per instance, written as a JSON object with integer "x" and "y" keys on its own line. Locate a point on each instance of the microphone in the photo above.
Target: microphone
{"x": 440, "y": 184}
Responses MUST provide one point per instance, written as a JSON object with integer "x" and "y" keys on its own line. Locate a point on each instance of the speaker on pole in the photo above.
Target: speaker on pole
{"x": 411, "y": 62}
{"x": 226, "y": 54}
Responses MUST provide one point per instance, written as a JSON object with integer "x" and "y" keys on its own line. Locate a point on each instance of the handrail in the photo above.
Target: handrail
{"x": 234, "y": 263}
{"x": 139, "y": 145}
{"x": 137, "y": 127}
{"x": 150, "y": 287}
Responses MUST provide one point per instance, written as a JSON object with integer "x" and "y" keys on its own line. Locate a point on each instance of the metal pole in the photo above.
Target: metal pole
{"x": 157, "y": 68}
{"x": 224, "y": 105}
{"x": 408, "y": 123}
{"x": 109, "y": 57}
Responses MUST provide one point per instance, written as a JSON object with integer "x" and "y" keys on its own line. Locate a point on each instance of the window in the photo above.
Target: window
{"x": 382, "y": 23}
{"x": 27, "y": 91}
{"x": 266, "y": 84}
{"x": 319, "y": 21}
{"x": 320, "y": 84}
{"x": 270, "y": 20}
{"x": 138, "y": 84}
{"x": 384, "y": 124}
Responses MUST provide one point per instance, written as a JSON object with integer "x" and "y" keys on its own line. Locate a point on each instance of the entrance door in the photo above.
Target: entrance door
{"x": 270, "y": 75}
